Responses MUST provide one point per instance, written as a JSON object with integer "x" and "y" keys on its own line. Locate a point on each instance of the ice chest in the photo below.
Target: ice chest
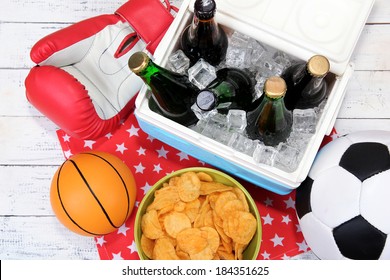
{"x": 300, "y": 28}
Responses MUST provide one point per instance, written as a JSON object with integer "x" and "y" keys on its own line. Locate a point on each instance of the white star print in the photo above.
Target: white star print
{"x": 162, "y": 152}
{"x": 298, "y": 226}
{"x": 290, "y": 203}
{"x": 68, "y": 154}
{"x": 66, "y": 138}
{"x": 183, "y": 156}
{"x": 89, "y": 143}
{"x": 108, "y": 135}
{"x": 303, "y": 246}
{"x": 266, "y": 255}
{"x": 117, "y": 256}
{"x": 141, "y": 151}
{"x": 132, "y": 247}
{"x": 286, "y": 219}
{"x": 267, "y": 219}
{"x": 100, "y": 240}
{"x": 146, "y": 188}
{"x": 136, "y": 204}
{"x": 150, "y": 138}
{"x": 133, "y": 131}
{"x": 277, "y": 240}
{"x": 285, "y": 257}
{"x": 123, "y": 229}
{"x": 121, "y": 148}
{"x": 268, "y": 202}
{"x": 139, "y": 168}
{"x": 157, "y": 168}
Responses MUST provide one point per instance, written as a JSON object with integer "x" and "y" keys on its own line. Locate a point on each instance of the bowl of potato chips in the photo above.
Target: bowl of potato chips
{"x": 197, "y": 214}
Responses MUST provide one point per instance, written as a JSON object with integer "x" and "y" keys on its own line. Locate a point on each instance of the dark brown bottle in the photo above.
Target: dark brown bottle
{"x": 306, "y": 83}
{"x": 232, "y": 89}
{"x": 204, "y": 37}
{"x": 173, "y": 94}
{"x": 273, "y": 123}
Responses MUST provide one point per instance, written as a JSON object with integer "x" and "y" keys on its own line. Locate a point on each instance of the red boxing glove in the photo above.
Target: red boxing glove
{"x": 82, "y": 82}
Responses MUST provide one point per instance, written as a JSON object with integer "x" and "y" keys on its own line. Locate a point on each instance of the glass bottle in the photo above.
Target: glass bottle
{"x": 306, "y": 85}
{"x": 232, "y": 89}
{"x": 173, "y": 94}
{"x": 204, "y": 37}
{"x": 274, "y": 122}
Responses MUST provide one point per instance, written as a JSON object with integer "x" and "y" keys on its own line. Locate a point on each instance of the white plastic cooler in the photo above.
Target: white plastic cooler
{"x": 301, "y": 28}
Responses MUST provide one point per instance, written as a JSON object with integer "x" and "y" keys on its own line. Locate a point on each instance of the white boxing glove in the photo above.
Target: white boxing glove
{"x": 82, "y": 81}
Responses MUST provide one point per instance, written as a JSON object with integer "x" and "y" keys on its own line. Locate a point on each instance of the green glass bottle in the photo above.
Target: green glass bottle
{"x": 306, "y": 83}
{"x": 172, "y": 93}
{"x": 204, "y": 37}
{"x": 232, "y": 89}
{"x": 274, "y": 122}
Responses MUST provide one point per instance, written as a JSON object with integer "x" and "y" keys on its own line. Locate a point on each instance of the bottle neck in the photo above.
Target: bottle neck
{"x": 150, "y": 70}
{"x": 208, "y": 26}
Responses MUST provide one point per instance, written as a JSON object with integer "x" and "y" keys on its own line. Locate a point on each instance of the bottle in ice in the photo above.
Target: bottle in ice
{"x": 306, "y": 83}
{"x": 232, "y": 89}
{"x": 273, "y": 123}
{"x": 172, "y": 93}
{"x": 204, "y": 37}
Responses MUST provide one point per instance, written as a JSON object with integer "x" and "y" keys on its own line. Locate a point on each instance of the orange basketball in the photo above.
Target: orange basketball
{"x": 93, "y": 193}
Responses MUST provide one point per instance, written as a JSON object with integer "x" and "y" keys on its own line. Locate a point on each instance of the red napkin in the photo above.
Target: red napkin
{"x": 150, "y": 159}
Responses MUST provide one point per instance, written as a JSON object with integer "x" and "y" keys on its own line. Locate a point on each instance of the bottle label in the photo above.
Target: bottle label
{"x": 205, "y": 100}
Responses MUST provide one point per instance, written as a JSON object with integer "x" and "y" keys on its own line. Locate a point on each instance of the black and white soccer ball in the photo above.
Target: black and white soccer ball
{"x": 343, "y": 206}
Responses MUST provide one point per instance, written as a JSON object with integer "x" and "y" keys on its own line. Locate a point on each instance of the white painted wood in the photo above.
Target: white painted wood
{"x": 30, "y": 152}
{"x": 42, "y": 238}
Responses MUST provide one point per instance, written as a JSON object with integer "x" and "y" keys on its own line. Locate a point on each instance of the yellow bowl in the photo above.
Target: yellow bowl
{"x": 253, "y": 247}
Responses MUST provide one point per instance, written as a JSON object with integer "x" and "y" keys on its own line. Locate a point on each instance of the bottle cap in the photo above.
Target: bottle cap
{"x": 205, "y": 100}
{"x": 205, "y": 9}
{"x": 275, "y": 87}
{"x": 318, "y": 66}
{"x": 138, "y": 62}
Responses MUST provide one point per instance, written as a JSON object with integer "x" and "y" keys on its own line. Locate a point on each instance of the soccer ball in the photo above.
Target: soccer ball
{"x": 343, "y": 206}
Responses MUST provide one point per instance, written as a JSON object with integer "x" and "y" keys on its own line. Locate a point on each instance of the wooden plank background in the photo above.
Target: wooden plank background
{"x": 30, "y": 152}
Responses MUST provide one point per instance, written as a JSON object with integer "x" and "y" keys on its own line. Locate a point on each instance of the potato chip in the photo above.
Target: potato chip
{"x": 238, "y": 251}
{"x": 241, "y": 196}
{"x": 231, "y": 206}
{"x": 182, "y": 255}
{"x": 225, "y": 255}
{"x": 150, "y": 225}
{"x": 147, "y": 246}
{"x": 164, "y": 197}
{"x": 221, "y": 201}
{"x": 211, "y": 187}
{"x": 192, "y": 209}
{"x": 175, "y": 222}
{"x": 203, "y": 176}
{"x": 205, "y": 254}
{"x": 191, "y": 241}
{"x": 188, "y": 186}
{"x": 212, "y": 237}
{"x": 164, "y": 250}
{"x": 240, "y": 226}
{"x": 179, "y": 206}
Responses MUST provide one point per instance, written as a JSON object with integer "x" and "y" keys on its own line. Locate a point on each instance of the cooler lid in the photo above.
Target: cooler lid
{"x": 300, "y": 27}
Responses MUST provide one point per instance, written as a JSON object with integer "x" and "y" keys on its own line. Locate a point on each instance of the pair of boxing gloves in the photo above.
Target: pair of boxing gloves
{"x": 81, "y": 81}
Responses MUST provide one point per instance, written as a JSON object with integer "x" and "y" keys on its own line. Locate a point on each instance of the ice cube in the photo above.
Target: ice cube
{"x": 236, "y": 120}
{"x": 264, "y": 154}
{"x": 178, "y": 62}
{"x": 202, "y": 73}
{"x": 304, "y": 121}
{"x": 287, "y": 157}
{"x": 242, "y": 144}
{"x": 299, "y": 140}
{"x": 216, "y": 128}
